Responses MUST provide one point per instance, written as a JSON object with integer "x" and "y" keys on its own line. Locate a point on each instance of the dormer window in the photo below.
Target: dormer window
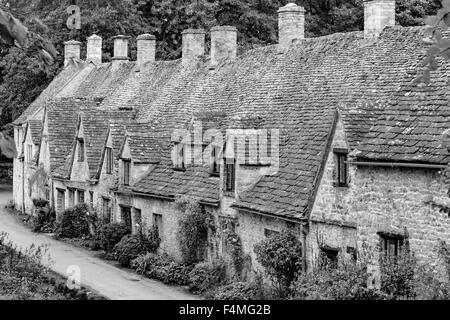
{"x": 341, "y": 169}
{"x": 80, "y": 150}
{"x": 109, "y": 160}
{"x": 126, "y": 172}
{"x": 215, "y": 161}
{"x": 230, "y": 174}
{"x": 180, "y": 157}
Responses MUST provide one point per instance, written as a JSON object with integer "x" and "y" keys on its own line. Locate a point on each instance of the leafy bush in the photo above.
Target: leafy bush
{"x": 74, "y": 222}
{"x": 129, "y": 248}
{"x": 162, "y": 267}
{"x": 44, "y": 217}
{"x": 397, "y": 274}
{"x": 206, "y": 276}
{"x": 153, "y": 239}
{"x": 193, "y": 230}
{"x": 240, "y": 291}
{"x": 281, "y": 256}
{"x": 110, "y": 234}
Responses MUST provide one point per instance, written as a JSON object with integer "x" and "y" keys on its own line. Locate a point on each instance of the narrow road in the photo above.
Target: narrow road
{"x": 108, "y": 280}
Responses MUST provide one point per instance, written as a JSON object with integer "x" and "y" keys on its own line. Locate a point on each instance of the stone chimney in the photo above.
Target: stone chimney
{"x": 72, "y": 50}
{"x": 291, "y": 24}
{"x": 94, "y": 49}
{"x": 223, "y": 44}
{"x": 378, "y": 14}
{"x": 120, "y": 48}
{"x": 193, "y": 45}
{"x": 146, "y": 49}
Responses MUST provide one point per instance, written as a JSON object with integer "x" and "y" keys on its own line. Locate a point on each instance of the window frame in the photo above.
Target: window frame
{"x": 81, "y": 196}
{"x": 29, "y": 152}
{"x": 341, "y": 167}
{"x": 215, "y": 162}
{"x": 180, "y": 164}
{"x": 109, "y": 160}
{"x": 126, "y": 164}
{"x": 230, "y": 186}
{"x": 386, "y": 240}
{"x": 80, "y": 155}
{"x": 158, "y": 223}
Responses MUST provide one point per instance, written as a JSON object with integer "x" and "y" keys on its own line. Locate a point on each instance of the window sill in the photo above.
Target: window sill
{"x": 230, "y": 194}
{"x": 214, "y": 175}
{"x": 179, "y": 169}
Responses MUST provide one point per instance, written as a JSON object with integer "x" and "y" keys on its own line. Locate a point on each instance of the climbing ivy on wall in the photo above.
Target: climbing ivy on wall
{"x": 193, "y": 229}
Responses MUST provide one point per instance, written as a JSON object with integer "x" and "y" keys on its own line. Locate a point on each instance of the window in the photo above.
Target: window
{"x": 329, "y": 257}
{"x": 137, "y": 220}
{"x": 80, "y": 150}
{"x": 126, "y": 172}
{"x": 180, "y": 161}
{"x": 80, "y": 196}
{"x": 268, "y": 233}
{"x": 60, "y": 200}
{"x": 47, "y": 192}
{"x": 215, "y": 165}
{"x": 91, "y": 198}
{"x": 109, "y": 160}
{"x": 391, "y": 245}
{"x": 106, "y": 209}
{"x": 158, "y": 223}
{"x": 230, "y": 173}
{"x": 71, "y": 197}
{"x": 126, "y": 216}
{"x": 341, "y": 167}
{"x": 29, "y": 153}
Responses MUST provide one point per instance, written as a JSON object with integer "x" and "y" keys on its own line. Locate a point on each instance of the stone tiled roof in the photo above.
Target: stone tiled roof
{"x": 368, "y": 82}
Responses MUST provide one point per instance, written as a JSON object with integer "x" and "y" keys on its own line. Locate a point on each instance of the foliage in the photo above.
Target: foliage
{"x": 110, "y": 234}
{"x": 74, "y": 222}
{"x": 206, "y": 276}
{"x": 129, "y": 248}
{"x": 397, "y": 274}
{"x": 162, "y": 267}
{"x": 192, "y": 230}
{"x": 234, "y": 245}
{"x": 281, "y": 256}
{"x": 240, "y": 291}
{"x": 153, "y": 239}
{"x": 44, "y": 218}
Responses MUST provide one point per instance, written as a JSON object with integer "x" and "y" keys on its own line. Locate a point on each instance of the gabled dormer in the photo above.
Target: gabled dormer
{"x": 79, "y": 168}
{"x": 44, "y": 151}
{"x": 138, "y": 156}
{"x": 31, "y": 141}
{"x": 107, "y": 165}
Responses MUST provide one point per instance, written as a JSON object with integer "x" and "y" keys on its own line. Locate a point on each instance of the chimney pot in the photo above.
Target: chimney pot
{"x": 94, "y": 49}
{"x": 146, "y": 49}
{"x": 72, "y": 50}
{"x": 291, "y": 24}
{"x": 121, "y": 48}
{"x": 193, "y": 45}
{"x": 223, "y": 44}
{"x": 378, "y": 14}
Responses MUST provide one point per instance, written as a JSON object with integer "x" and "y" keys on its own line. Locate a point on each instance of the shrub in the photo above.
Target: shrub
{"x": 281, "y": 257}
{"x": 153, "y": 239}
{"x": 240, "y": 291}
{"x": 44, "y": 218}
{"x": 162, "y": 267}
{"x": 129, "y": 248}
{"x": 397, "y": 274}
{"x": 74, "y": 222}
{"x": 192, "y": 230}
{"x": 110, "y": 234}
{"x": 206, "y": 276}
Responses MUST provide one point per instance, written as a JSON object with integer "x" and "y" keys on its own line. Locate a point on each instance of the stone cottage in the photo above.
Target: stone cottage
{"x": 328, "y": 137}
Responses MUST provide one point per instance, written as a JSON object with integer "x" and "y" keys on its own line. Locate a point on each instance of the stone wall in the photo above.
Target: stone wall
{"x": 382, "y": 200}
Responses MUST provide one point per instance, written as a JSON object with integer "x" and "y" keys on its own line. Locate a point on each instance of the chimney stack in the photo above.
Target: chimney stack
{"x": 291, "y": 24}
{"x": 94, "y": 49}
{"x": 72, "y": 50}
{"x": 146, "y": 49}
{"x": 121, "y": 48}
{"x": 378, "y": 14}
{"x": 193, "y": 45}
{"x": 223, "y": 44}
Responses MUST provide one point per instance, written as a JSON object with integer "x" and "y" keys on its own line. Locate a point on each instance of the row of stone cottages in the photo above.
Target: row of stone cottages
{"x": 358, "y": 145}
